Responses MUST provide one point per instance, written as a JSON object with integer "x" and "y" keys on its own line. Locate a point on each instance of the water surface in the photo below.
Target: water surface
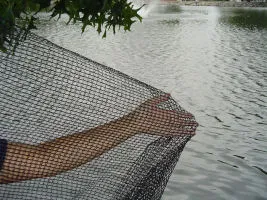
{"x": 214, "y": 63}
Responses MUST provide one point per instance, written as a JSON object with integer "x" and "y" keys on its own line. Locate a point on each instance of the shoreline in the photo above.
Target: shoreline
{"x": 218, "y": 3}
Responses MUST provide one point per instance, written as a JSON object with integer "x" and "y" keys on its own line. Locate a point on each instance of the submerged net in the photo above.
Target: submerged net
{"x": 51, "y": 99}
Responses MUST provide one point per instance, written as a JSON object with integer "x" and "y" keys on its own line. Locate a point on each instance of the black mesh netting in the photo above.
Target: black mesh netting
{"x": 79, "y": 130}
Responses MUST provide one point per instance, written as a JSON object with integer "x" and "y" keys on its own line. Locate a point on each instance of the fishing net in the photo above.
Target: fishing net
{"x": 52, "y": 99}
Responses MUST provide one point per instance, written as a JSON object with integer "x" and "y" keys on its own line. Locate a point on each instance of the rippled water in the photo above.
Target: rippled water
{"x": 214, "y": 63}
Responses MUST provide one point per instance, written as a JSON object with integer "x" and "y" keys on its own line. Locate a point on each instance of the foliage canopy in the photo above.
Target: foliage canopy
{"x": 102, "y": 14}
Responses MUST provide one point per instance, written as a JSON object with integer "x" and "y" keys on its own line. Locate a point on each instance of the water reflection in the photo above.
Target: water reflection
{"x": 172, "y": 8}
{"x": 170, "y": 22}
{"x": 245, "y": 18}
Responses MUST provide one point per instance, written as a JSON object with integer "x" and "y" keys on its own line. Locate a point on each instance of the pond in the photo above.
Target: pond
{"x": 214, "y": 63}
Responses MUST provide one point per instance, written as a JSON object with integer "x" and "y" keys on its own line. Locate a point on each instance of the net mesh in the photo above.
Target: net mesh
{"x": 79, "y": 130}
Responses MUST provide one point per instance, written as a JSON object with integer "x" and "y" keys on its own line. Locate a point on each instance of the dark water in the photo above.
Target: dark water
{"x": 214, "y": 63}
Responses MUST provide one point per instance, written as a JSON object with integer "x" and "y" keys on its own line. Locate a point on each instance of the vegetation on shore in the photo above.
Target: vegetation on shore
{"x": 222, "y": 3}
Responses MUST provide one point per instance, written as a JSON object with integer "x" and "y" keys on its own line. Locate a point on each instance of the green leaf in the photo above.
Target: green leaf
{"x": 102, "y": 14}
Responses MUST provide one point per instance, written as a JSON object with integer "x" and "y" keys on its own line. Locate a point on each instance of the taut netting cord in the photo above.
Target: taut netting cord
{"x": 72, "y": 128}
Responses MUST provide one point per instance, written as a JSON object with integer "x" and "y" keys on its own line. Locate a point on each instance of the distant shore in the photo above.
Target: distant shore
{"x": 219, "y": 3}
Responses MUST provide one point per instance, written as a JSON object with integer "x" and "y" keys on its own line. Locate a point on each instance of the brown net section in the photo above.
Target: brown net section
{"x": 79, "y": 130}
